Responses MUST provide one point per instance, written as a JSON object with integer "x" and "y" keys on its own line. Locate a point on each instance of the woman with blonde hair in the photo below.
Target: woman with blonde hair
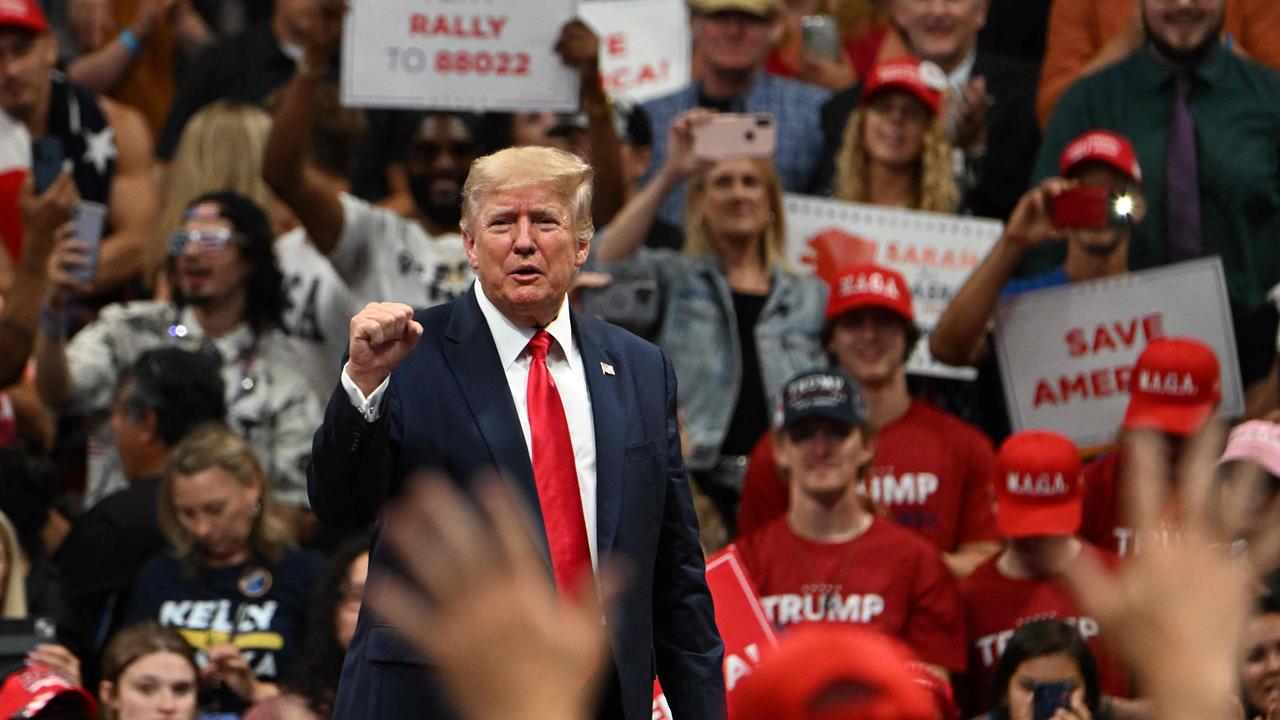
{"x": 232, "y": 583}
{"x": 737, "y": 321}
{"x": 220, "y": 149}
{"x": 895, "y": 149}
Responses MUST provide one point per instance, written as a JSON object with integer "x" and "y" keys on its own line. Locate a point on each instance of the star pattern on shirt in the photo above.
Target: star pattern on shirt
{"x": 99, "y": 148}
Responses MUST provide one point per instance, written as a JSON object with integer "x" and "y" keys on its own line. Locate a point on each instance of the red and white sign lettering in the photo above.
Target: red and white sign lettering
{"x": 1067, "y": 353}
{"x": 934, "y": 252}
{"x": 644, "y": 45}
{"x": 745, "y": 630}
{"x": 457, "y": 54}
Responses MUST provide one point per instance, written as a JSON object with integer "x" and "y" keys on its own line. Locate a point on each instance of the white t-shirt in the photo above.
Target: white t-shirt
{"x": 319, "y": 310}
{"x": 384, "y": 257}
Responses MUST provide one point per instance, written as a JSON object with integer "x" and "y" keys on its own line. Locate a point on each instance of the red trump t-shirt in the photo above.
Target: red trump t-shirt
{"x": 886, "y": 578}
{"x": 932, "y": 472}
{"x": 995, "y": 606}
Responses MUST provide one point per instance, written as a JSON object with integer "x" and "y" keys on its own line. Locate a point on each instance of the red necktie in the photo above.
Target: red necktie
{"x": 554, "y": 471}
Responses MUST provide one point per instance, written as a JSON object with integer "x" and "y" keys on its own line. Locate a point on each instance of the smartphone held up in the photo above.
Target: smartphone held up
{"x": 89, "y": 220}
{"x": 1091, "y": 206}
{"x": 733, "y": 135}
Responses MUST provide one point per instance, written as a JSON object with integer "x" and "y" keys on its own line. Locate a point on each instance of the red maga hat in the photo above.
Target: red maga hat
{"x": 25, "y": 14}
{"x": 1038, "y": 484}
{"x": 27, "y": 692}
{"x": 1174, "y": 387}
{"x": 869, "y": 285}
{"x": 924, "y": 80}
{"x": 1105, "y": 147}
{"x": 834, "y": 672}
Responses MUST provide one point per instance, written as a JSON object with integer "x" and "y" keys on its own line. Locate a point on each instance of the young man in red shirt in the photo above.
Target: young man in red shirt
{"x": 931, "y": 470}
{"x": 1039, "y": 496}
{"x": 1174, "y": 389}
{"x": 829, "y": 559}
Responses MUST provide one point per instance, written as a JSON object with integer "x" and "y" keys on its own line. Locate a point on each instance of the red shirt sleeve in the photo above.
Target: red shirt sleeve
{"x": 935, "y": 627}
{"x": 979, "y": 519}
{"x": 1099, "y": 513}
{"x": 764, "y": 492}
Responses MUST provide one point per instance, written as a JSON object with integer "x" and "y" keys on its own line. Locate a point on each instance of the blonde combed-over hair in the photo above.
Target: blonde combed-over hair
{"x": 516, "y": 168}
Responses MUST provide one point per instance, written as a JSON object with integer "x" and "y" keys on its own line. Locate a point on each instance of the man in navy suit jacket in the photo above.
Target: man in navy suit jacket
{"x": 447, "y": 389}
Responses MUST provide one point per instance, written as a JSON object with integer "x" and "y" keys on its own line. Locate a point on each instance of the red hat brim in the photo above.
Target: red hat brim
{"x": 1017, "y": 519}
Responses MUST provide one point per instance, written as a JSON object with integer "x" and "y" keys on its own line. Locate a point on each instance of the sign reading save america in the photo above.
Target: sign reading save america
{"x": 1067, "y": 353}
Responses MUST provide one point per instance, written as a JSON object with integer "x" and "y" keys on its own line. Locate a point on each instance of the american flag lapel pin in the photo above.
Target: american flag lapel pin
{"x": 606, "y": 368}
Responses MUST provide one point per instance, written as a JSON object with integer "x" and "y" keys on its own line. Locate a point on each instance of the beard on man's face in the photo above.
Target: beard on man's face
{"x": 439, "y": 199}
{"x": 1183, "y": 56}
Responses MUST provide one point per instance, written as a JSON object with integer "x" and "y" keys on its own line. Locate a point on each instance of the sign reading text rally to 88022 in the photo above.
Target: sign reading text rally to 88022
{"x": 1067, "y": 353}
{"x": 933, "y": 251}
{"x": 457, "y": 54}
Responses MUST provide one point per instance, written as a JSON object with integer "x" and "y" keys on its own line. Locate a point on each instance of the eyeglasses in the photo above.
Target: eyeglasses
{"x": 207, "y": 240}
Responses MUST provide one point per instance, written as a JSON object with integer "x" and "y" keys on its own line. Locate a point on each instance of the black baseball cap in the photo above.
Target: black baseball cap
{"x": 824, "y": 394}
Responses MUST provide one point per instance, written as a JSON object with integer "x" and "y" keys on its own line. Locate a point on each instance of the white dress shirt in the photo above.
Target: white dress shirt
{"x": 564, "y": 361}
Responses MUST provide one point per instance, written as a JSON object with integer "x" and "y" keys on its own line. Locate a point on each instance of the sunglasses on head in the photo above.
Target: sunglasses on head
{"x": 207, "y": 240}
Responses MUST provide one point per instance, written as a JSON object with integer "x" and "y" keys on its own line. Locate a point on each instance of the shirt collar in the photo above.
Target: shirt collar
{"x": 960, "y": 76}
{"x": 511, "y": 339}
{"x": 1208, "y": 70}
{"x": 230, "y": 346}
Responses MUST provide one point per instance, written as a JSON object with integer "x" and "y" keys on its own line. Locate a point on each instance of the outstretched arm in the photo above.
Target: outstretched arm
{"x": 284, "y": 165}
{"x": 960, "y": 335}
{"x": 632, "y": 223}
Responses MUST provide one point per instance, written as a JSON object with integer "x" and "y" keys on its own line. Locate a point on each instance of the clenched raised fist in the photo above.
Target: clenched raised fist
{"x": 381, "y": 335}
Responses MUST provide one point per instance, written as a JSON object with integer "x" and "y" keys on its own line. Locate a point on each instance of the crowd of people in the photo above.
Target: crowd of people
{"x": 172, "y": 549}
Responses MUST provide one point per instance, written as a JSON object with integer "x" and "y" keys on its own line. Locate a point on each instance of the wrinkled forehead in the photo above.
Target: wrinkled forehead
{"x": 524, "y": 194}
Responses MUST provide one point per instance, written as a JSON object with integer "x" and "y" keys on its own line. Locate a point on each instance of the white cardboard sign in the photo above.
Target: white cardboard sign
{"x": 644, "y": 45}
{"x": 457, "y": 54}
{"x": 1067, "y": 353}
{"x": 935, "y": 252}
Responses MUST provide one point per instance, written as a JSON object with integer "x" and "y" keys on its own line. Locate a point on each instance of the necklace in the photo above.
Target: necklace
{"x": 831, "y": 599}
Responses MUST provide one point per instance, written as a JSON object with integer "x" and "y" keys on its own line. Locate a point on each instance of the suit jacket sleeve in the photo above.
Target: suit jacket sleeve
{"x": 687, "y": 644}
{"x": 353, "y": 460}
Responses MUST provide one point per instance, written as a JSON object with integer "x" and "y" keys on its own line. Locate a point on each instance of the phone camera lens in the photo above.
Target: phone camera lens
{"x": 750, "y": 136}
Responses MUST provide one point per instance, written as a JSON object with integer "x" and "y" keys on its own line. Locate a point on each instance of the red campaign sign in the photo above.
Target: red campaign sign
{"x": 745, "y": 630}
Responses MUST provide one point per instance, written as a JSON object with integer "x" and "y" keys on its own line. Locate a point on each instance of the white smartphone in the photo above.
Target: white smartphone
{"x": 89, "y": 219}
{"x": 821, "y": 37}
{"x": 732, "y": 135}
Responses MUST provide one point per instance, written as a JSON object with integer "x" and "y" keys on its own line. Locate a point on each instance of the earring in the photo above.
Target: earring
{"x": 257, "y": 509}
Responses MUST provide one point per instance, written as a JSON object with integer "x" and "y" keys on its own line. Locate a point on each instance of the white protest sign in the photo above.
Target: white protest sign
{"x": 1067, "y": 352}
{"x": 644, "y": 45}
{"x": 933, "y": 251}
{"x": 457, "y": 54}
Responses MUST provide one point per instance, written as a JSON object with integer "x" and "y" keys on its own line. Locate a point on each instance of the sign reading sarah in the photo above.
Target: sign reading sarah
{"x": 934, "y": 252}
{"x": 457, "y": 54}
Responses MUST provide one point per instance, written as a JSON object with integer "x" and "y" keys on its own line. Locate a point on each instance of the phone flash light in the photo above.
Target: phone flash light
{"x": 1123, "y": 205}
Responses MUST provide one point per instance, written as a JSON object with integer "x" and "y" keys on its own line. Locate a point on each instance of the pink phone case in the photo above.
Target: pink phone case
{"x": 728, "y": 135}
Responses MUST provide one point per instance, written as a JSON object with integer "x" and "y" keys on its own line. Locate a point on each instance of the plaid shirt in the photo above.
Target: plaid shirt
{"x": 796, "y": 109}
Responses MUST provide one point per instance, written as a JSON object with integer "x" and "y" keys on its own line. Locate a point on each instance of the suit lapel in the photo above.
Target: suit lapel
{"x": 473, "y": 357}
{"x": 610, "y": 421}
